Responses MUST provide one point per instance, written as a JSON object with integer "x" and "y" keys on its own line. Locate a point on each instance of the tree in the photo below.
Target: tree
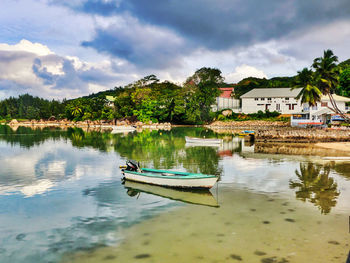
{"x": 204, "y": 84}
{"x": 304, "y": 77}
{"x": 310, "y": 93}
{"x": 344, "y": 83}
{"x": 76, "y": 111}
{"x": 328, "y": 78}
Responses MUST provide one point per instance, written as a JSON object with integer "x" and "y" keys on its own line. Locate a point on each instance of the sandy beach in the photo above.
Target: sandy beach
{"x": 340, "y": 146}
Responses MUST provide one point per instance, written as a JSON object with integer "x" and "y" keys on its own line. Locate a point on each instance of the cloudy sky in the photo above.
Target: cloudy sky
{"x": 68, "y": 48}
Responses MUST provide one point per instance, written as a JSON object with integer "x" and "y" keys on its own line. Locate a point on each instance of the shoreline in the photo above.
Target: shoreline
{"x": 339, "y": 146}
{"x": 265, "y": 131}
{"x": 89, "y": 124}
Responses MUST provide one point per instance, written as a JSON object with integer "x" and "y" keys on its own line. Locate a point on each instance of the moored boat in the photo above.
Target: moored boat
{"x": 122, "y": 129}
{"x": 166, "y": 178}
{"x": 203, "y": 140}
{"x": 245, "y": 133}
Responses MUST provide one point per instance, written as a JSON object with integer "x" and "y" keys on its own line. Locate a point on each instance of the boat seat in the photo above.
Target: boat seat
{"x": 167, "y": 174}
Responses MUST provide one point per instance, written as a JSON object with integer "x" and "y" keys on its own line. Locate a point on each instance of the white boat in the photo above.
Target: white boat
{"x": 203, "y": 141}
{"x": 199, "y": 197}
{"x": 166, "y": 178}
{"x": 122, "y": 129}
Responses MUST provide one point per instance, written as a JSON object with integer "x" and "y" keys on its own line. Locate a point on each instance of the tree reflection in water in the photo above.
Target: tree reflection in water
{"x": 315, "y": 185}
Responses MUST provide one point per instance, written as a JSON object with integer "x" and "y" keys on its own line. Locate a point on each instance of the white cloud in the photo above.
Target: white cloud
{"x": 27, "y": 46}
{"x": 244, "y": 71}
{"x": 33, "y": 68}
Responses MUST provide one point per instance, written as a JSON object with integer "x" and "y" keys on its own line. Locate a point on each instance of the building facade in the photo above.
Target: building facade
{"x": 320, "y": 114}
{"x": 226, "y": 100}
{"x": 282, "y": 100}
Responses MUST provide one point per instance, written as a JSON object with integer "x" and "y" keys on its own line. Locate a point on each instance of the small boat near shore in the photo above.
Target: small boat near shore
{"x": 166, "y": 178}
{"x": 246, "y": 133}
{"x": 122, "y": 129}
{"x": 197, "y": 197}
{"x": 203, "y": 141}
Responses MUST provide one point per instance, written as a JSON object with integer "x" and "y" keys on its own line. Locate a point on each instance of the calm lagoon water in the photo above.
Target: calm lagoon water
{"x": 62, "y": 200}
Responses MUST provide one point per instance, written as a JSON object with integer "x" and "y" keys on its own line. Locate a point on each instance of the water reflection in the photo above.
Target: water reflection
{"x": 65, "y": 184}
{"x": 198, "y": 197}
{"x": 316, "y": 186}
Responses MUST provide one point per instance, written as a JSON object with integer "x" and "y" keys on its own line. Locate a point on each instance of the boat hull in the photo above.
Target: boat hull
{"x": 203, "y": 141}
{"x": 184, "y": 182}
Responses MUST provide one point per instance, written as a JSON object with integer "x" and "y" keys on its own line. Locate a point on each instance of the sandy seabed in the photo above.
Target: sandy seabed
{"x": 340, "y": 146}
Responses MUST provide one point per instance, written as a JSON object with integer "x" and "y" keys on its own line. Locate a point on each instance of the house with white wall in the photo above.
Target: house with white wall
{"x": 226, "y": 100}
{"x": 320, "y": 114}
{"x": 282, "y": 100}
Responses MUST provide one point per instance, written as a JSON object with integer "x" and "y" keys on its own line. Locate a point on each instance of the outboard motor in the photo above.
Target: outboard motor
{"x": 132, "y": 165}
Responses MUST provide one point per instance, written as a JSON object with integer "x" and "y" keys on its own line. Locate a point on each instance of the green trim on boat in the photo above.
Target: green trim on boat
{"x": 184, "y": 175}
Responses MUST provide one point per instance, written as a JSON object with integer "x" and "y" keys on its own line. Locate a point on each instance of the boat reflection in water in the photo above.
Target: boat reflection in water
{"x": 198, "y": 197}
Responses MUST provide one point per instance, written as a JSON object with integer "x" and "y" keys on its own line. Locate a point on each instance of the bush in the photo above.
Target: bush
{"x": 221, "y": 117}
{"x": 260, "y": 115}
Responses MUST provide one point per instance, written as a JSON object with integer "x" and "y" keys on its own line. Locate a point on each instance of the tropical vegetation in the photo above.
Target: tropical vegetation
{"x": 149, "y": 99}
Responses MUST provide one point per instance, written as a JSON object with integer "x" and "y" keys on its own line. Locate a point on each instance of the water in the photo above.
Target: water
{"x": 61, "y": 200}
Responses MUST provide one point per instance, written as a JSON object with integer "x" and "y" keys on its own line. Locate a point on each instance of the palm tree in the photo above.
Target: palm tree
{"x": 328, "y": 78}
{"x": 310, "y": 93}
{"x": 304, "y": 76}
{"x": 76, "y": 111}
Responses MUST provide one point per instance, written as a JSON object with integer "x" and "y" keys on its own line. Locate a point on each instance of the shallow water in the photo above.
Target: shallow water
{"x": 61, "y": 200}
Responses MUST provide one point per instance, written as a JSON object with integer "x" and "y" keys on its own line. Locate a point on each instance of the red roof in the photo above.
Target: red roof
{"x": 226, "y": 92}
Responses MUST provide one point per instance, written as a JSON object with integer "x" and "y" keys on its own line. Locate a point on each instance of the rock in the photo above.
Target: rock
{"x": 227, "y": 112}
{"x": 13, "y": 122}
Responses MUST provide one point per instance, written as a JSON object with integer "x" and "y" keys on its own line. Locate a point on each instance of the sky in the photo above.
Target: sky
{"x": 70, "y": 48}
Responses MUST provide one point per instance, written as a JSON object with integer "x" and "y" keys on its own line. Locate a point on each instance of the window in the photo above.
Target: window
{"x": 286, "y": 98}
{"x": 269, "y": 98}
{"x": 301, "y": 117}
{"x": 278, "y": 107}
{"x": 324, "y": 104}
{"x": 256, "y": 99}
{"x": 262, "y": 99}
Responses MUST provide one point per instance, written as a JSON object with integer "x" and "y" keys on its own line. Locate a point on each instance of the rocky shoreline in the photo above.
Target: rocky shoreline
{"x": 265, "y": 131}
{"x": 100, "y": 124}
{"x": 282, "y": 132}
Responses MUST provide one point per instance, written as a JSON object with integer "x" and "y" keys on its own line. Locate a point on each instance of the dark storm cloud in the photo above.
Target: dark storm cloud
{"x": 214, "y": 25}
{"x": 223, "y": 23}
{"x": 139, "y": 45}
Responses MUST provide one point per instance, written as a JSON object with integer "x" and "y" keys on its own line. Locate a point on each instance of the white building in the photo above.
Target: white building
{"x": 282, "y": 100}
{"x": 320, "y": 114}
{"x": 226, "y": 100}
